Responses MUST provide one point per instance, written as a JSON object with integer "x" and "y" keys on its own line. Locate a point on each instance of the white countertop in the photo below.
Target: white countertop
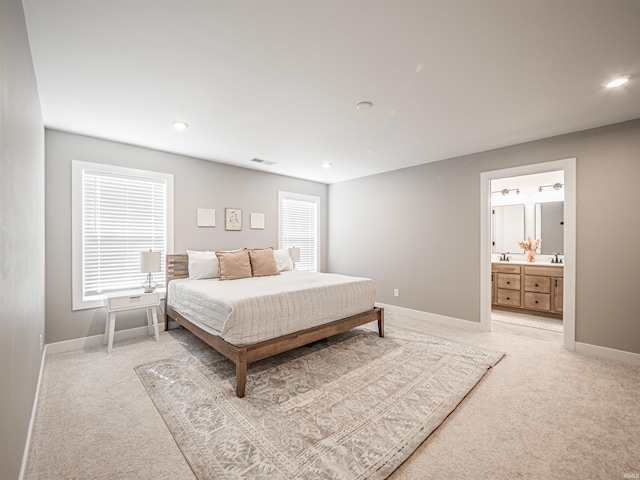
{"x": 532, "y": 264}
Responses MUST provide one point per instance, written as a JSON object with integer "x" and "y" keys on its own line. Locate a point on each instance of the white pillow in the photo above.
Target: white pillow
{"x": 283, "y": 259}
{"x": 203, "y": 265}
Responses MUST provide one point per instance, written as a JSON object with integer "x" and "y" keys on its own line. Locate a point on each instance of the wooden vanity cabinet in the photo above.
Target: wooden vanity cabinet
{"x": 528, "y": 288}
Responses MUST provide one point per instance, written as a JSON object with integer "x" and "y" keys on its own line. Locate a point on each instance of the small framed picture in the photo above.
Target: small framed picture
{"x": 206, "y": 217}
{"x": 233, "y": 217}
{"x": 257, "y": 221}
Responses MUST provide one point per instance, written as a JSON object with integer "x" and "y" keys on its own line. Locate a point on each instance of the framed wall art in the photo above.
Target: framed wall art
{"x": 257, "y": 221}
{"x": 233, "y": 218}
{"x": 206, "y": 217}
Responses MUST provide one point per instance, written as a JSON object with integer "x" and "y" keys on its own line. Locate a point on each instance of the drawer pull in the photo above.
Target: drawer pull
{"x": 536, "y": 284}
{"x": 508, "y": 283}
{"x": 536, "y": 301}
{"x": 133, "y": 298}
{"x": 508, "y": 298}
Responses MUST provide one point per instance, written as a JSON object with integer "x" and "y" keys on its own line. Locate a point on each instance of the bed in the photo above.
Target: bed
{"x": 281, "y": 313}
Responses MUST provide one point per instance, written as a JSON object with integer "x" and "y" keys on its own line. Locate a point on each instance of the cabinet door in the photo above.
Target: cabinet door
{"x": 558, "y": 293}
{"x": 493, "y": 288}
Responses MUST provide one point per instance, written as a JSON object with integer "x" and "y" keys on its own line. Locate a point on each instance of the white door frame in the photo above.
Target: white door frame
{"x": 569, "y": 167}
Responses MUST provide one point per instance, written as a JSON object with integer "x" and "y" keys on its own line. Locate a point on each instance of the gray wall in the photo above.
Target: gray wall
{"x": 21, "y": 236}
{"x": 197, "y": 184}
{"x": 418, "y": 229}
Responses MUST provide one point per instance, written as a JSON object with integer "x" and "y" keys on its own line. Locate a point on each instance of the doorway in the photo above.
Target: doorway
{"x": 569, "y": 240}
{"x": 528, "y": 207}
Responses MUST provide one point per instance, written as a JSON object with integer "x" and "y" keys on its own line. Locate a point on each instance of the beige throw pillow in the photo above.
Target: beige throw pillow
{"x": 234, "y": 265}
{"x": 263, "y": 262}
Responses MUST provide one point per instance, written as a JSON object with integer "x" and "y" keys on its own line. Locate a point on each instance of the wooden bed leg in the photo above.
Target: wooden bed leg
{"x": 381, "y": 323}
{"x": 241, "y": 373}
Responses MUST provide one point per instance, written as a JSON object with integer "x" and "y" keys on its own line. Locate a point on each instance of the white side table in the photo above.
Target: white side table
{"x": 120, "y": 302}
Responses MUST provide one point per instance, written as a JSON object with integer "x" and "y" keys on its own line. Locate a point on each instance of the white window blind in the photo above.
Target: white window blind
{"x": 122, "y": 213}
{"x": 299, "y": 227}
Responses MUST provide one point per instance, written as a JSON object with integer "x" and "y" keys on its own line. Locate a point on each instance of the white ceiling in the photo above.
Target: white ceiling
{"x": 279, "y": 80}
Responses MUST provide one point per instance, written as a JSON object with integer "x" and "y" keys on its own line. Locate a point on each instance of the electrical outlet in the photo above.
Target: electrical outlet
{"x": 396, "y": 292}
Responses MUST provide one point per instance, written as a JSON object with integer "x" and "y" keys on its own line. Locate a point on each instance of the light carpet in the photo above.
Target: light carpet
{"x": 354, "y": 406}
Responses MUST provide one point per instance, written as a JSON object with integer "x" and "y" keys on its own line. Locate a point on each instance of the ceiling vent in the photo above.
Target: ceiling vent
{"x": 264, "y": 162}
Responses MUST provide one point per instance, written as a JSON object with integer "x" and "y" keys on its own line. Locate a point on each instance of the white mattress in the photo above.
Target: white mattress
{"x": 252, "y": 310}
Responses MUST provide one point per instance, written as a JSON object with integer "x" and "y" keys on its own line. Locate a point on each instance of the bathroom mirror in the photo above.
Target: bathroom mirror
{"x": 549, "y": 220}
{"x": 507, "y": 227}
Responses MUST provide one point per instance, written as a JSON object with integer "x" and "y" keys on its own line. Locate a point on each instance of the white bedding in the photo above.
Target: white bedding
{"x": 252, "y": 310}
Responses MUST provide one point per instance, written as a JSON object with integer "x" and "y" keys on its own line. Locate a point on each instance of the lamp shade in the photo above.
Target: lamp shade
{"x": 295, "y": 254}
{"x": 149, "y": 262}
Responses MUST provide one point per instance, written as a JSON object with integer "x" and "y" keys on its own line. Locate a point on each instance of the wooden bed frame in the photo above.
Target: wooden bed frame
{"x": 178, "y": 267}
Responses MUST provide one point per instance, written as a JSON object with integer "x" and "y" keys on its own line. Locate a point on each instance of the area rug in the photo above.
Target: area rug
{"x": 543, "y": 323}
{"x": 354, "y": 406}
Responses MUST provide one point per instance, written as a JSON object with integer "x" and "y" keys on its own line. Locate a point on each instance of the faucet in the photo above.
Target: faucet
{"x": 556, "y": 260}
{"x": 504, "y": 257}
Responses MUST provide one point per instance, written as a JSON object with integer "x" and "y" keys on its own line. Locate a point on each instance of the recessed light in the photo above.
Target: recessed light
{"x": 327, "y": 165}
{"x": 616, "y": 82}
{"x": 364, "y": 105}
{"x": 179, "y": 125}
{"x": 263, "y": 161}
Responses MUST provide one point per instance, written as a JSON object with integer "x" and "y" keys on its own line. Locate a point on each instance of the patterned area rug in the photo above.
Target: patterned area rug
{"x": 354, "y": 406}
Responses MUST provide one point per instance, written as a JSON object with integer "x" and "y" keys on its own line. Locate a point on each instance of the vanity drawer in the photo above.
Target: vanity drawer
{"x": 502, "y": 268}
{"x": 543, "y": 270}
{"x": 509, "y": 281}
{"x": 535, "y": 283}
{"x": 537, "y": 301}
{"x": 508, "y": 297}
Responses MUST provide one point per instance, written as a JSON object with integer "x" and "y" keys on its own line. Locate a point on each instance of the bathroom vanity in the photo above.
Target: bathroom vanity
{"x": 528, "y": 288}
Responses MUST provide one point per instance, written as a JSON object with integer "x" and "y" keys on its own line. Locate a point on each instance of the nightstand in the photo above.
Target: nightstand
{"x": 121, "y": 302}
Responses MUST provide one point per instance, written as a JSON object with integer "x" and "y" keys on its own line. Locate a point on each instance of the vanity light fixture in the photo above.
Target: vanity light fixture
{"x": 506, "y": 191}
{"x": 502, "y": 197}
{"x": 549, "y": 193}
{"x": 180, "y": 125}
{"x": 617, "y": 82}
{"x": 555, "y": 186}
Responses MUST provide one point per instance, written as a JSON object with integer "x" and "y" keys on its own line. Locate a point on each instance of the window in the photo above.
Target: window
{"x": 298, "y": 226}
{"x": 117, "y": 213}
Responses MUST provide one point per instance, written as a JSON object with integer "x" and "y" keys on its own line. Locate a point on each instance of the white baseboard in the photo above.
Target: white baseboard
{"x": 27, "y": 445}
{"x": 608, "y": 353}
{"x": 95, "y": 340}
{"x": 432, "y": 317}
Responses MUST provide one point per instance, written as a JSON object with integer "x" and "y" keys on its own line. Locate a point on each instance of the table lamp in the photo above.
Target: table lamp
{"x": 295, "y": 255}
{"x": 149, "y": 264}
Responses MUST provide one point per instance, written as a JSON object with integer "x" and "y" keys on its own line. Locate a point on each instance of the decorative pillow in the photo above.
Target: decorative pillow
{"x": 283, "y": 259}
{"x": 234, "y": 265}
{"x": 203, "y": 265}
{"x": 263, "y": 262}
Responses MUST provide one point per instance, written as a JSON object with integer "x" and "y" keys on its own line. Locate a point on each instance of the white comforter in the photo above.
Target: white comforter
{"x": 251, "y": 310}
